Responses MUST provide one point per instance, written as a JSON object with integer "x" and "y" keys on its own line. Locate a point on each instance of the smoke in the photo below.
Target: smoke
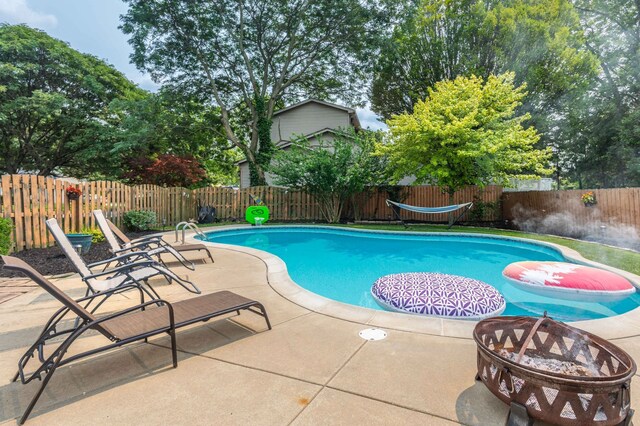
{"x": 567, "y": 222}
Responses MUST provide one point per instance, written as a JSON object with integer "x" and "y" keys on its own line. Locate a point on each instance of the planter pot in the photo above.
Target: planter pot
{"x": 82, "y": 240}
{"x": 590, "y": 204}
{"x": 73, "y": 196}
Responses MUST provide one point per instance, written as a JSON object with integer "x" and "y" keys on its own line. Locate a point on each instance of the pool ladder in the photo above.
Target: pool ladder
{"x": 182, "y": 226}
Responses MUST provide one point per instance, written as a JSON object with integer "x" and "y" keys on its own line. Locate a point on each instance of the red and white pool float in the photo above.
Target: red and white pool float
{"x": 568, "y": 281}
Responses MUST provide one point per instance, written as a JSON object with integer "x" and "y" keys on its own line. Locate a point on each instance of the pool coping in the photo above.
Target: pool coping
{"x": 618, "y": 327}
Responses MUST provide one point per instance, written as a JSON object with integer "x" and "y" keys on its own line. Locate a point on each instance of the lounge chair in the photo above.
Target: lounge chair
{"x": 151, "y": 241}
{"x": 133, "y": 268}
{"x": 153, "y": 246}
{"x": 129, "y": 325}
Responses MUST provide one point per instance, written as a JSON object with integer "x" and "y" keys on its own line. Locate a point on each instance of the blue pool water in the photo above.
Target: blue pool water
{"x": 342, "y": 264}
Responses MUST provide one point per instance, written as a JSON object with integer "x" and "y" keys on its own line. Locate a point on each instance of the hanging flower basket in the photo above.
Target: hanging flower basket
{"x": 73, "y": 193}
{"x": 589, "y": 199}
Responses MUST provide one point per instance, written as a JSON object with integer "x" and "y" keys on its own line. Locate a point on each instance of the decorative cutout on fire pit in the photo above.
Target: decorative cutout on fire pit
{"x": 560, "y": 374}
{"x": 440, "y": 295}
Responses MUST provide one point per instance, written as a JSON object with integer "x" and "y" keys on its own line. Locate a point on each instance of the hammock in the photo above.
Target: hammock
{"x": 430, "y": 210}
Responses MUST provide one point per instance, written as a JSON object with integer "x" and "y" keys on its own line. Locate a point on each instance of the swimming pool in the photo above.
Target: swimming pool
{"x": 342, "y": 264}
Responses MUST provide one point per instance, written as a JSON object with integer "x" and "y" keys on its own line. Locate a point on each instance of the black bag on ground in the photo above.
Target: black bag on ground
{"x": 206, "y": 214}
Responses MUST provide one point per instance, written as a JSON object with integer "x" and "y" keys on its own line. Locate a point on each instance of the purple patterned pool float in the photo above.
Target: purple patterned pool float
{"x": 438, "y": 295}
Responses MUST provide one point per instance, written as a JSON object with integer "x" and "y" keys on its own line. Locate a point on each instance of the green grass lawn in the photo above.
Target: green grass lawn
{"x": 626, "y": 260}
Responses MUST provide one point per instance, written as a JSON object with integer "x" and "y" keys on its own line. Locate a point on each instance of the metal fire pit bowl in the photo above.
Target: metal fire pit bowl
{"x": 601, "y": 398}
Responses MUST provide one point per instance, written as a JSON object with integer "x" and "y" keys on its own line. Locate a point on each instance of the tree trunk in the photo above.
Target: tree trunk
{"x": 262, "y": 146}
{"x": 256, "y": 173}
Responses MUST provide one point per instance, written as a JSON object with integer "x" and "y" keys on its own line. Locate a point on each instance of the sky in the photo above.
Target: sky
{"x": 91, "y": 26}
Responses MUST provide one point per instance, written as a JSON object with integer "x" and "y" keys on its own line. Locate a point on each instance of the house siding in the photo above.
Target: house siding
{"x": 245, "y": 180}
{"x": 306, "y": 119}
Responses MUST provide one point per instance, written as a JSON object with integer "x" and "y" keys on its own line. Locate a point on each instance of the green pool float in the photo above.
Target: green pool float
{"x": 257, "y": 215}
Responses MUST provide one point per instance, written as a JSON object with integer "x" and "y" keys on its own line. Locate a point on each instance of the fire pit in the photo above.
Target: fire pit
{"x": 550, "y": 371}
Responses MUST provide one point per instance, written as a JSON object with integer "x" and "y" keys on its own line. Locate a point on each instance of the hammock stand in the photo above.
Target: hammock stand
{"x": 429, "y": 210}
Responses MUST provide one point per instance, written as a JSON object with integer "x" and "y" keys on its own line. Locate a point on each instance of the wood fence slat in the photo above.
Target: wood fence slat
{"x": 27, "y": 211}
{"x": 36, "y": 210}
{"x": 16, "y": 183}
{"x": 8, "y": 210}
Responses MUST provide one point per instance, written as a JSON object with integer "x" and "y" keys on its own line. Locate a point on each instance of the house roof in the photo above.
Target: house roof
{"x": 285, "y": 144}
{"x": 317, "y": 101}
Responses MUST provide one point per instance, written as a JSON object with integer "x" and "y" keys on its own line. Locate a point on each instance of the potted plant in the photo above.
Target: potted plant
{"x": 81, "y": 242}
{"x": 73, "y": 193}
{"x": 588, "y": 199}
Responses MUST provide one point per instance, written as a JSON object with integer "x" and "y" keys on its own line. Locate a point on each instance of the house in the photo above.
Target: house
{"x": 312, "y": 119}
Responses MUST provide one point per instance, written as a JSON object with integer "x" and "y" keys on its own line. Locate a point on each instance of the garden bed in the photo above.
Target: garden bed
{"x": 52, "y": 261}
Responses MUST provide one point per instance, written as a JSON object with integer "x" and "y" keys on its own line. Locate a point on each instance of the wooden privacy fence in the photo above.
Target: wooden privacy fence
{"x": 285, "y": 205}
{"x": 30, "y": 200}
{"x": 563, "y": 213}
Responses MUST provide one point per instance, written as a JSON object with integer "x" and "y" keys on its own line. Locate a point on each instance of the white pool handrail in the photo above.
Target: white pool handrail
{"x": 183, "y": 226}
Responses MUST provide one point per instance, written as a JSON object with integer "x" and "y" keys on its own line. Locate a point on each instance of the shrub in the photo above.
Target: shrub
{"x": 139, "y": 220}
{"x": 97, "y": 234}
{"x": 6, "y": 226}
{"x": 482, "y": 209}
{"x": 334, "y": 172}
{"x": 166, "y": 170}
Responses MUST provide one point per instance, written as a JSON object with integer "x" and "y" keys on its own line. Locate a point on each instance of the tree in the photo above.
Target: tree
{"x": 255, "y": 55}
{"x": 53, "y": 103}
{"x": 601, "y": 137}
{"x": 540, "y": 40}
{"x": 169, "y": 123}
{"x": 166, "y": 170}
{"x": 333, "y": 172}
{"x": 466, "y": 133}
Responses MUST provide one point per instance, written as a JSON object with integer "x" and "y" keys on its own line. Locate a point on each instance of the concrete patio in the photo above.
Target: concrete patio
{"x": 312, "y": 368}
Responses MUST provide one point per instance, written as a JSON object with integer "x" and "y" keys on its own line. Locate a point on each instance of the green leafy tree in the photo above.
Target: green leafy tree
{"x": 53, "y": 103}
{"x": 168, "y": 123}
{"x": 601, "y": 136}
{"x": 540, "y": 40}
{"x": 333, "y": 172}
{"x": 466, "y": 132}
{"x": 255, "y": 55}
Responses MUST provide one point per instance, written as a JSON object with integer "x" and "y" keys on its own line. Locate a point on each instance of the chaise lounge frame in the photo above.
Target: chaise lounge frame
{"x": 136, "y": 267}
{"x": 152, "y": 241}
{"x": 130, "y": 325}
{"x": 152, "y": 245}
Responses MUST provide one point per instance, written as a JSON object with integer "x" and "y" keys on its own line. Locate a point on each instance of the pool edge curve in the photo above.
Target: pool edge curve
{"x": 617, "y": 327}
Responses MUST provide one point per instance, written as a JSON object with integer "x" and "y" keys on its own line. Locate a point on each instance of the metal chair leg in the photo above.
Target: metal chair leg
{"x": 264, "y": 314}
{"x": 39, "y": 393}
{"x": 174, "y": 348}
